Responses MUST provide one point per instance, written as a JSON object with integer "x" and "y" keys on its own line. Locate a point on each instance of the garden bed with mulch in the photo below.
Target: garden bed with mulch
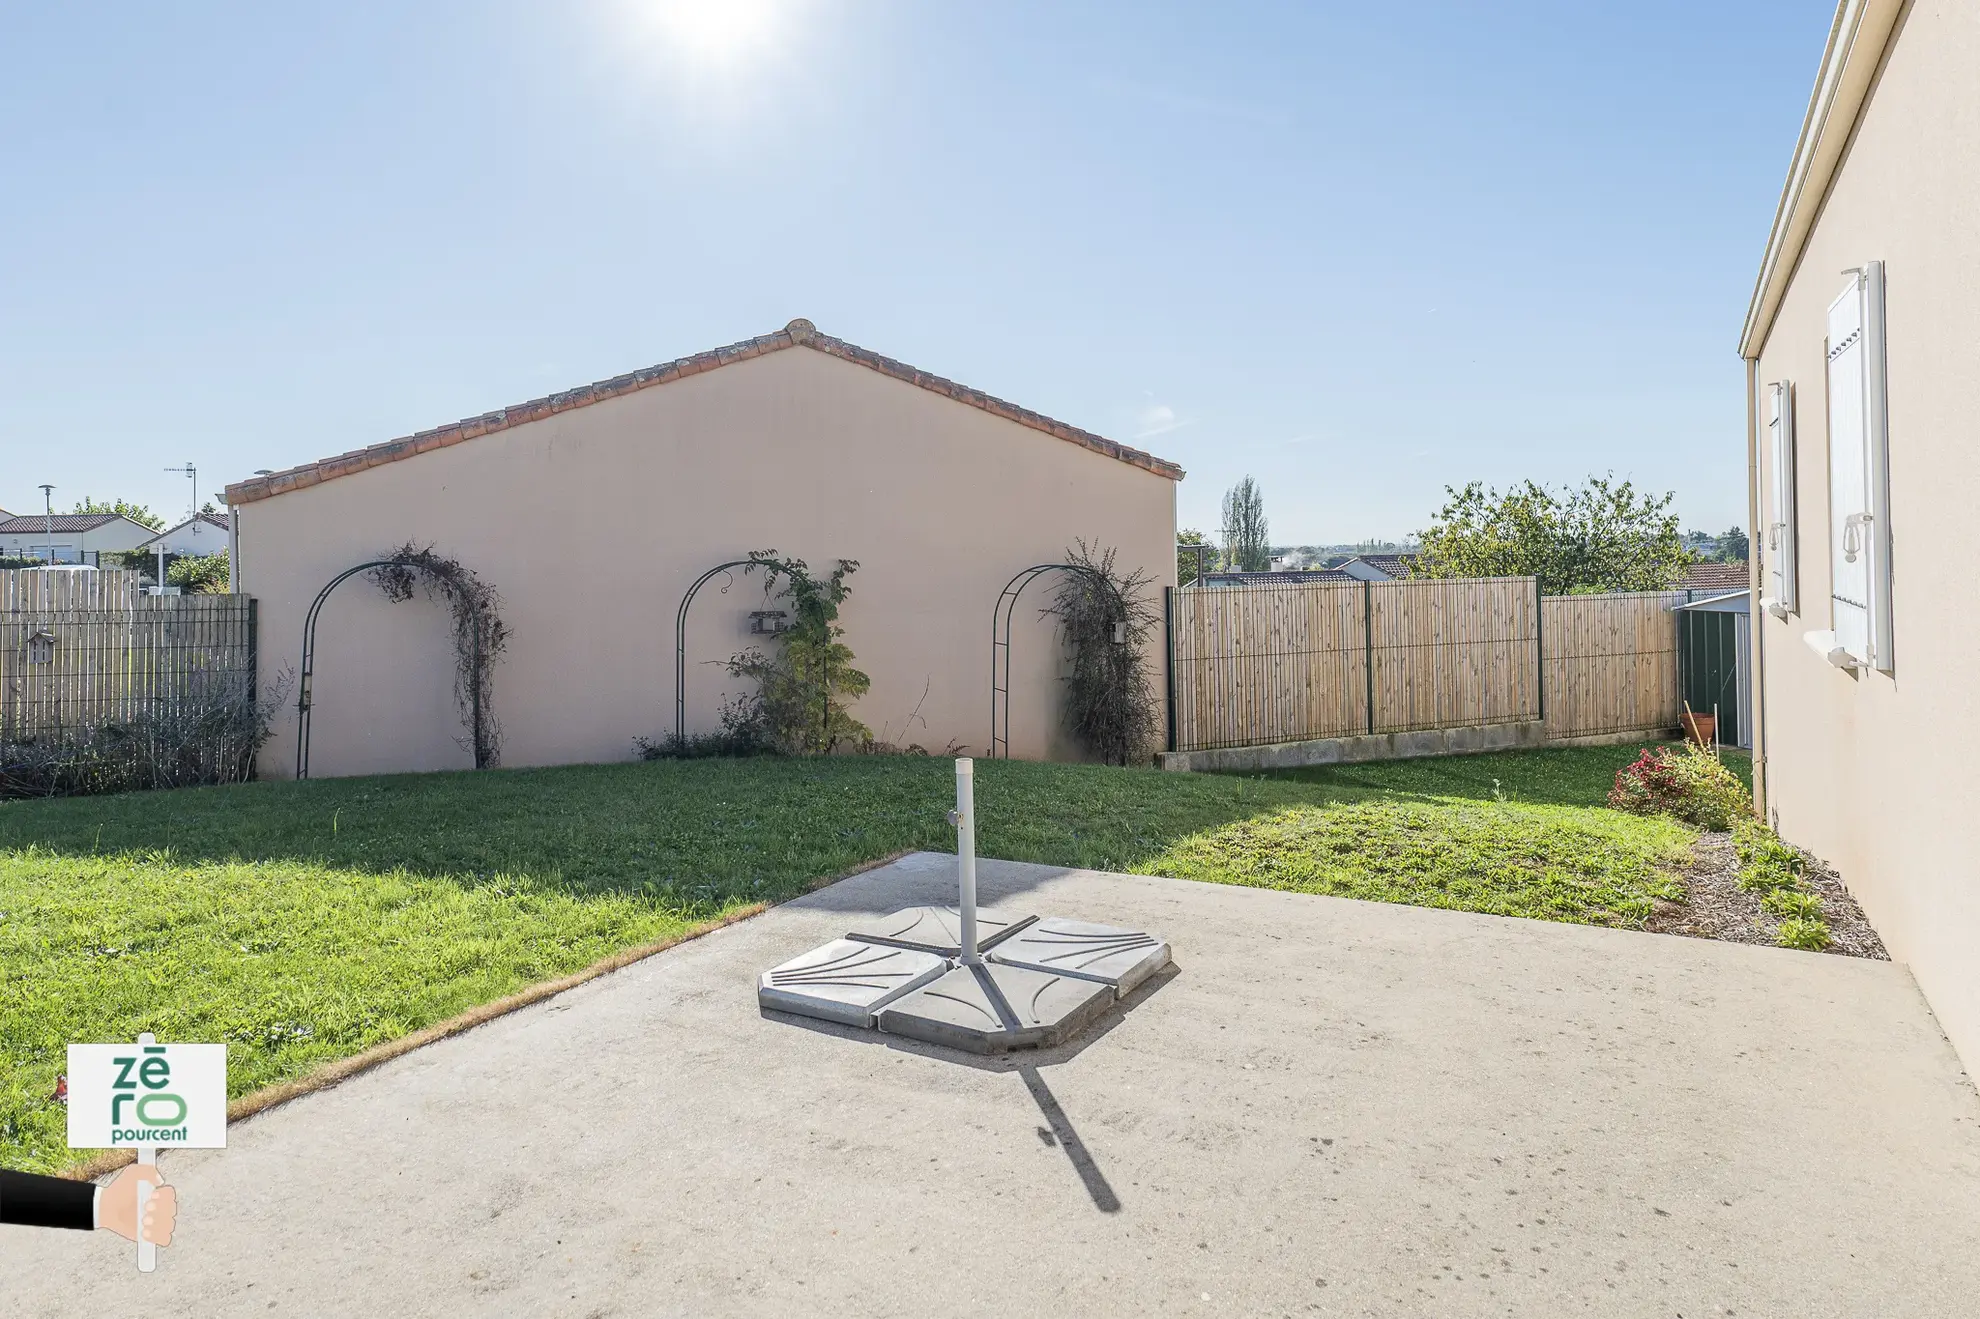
{"x": 1716, "y": 907}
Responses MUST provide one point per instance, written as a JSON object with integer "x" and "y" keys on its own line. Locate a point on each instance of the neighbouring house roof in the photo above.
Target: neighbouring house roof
{"x": 216, "y": 520}
{"x": 1393, "y": 566}
{"x": 1290, "y": 576}
{"x": 1734, "y": 602}
{"x": 27, "y": 524}
{"x": 1715, "y": 577}
{"x": 1858, "y": 39}
{"x": 799, "y": 333}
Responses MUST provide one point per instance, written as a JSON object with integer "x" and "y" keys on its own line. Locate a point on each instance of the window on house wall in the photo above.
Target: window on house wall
{"x": 1859, "y": 505}
{"x": 1779, "y": 546}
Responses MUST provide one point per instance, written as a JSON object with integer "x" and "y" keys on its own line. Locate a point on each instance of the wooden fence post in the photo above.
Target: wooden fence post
{"x": 1169, "y": 660}
{"x": 1539, "y": 649}
{"x": 1368, "y": 647}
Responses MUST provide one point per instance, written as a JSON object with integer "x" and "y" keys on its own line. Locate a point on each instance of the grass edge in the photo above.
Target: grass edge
{"x": 342, "y": 1069}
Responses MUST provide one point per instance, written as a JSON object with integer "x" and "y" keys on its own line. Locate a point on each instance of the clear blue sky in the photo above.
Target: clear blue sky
{"x": 1358, "y": 251}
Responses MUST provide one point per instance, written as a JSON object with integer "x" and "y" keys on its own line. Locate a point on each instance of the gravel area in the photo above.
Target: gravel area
{"x": 1716, "y": 907}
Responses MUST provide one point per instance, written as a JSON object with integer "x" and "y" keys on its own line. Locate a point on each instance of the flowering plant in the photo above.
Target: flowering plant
{"x": 1690, "y": 783}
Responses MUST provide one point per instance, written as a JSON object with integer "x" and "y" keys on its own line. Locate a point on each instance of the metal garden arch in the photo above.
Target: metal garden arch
{"x": 1000, "y": 649}
{"x": 680, "y": 640}
{"x": 303, "y": 702}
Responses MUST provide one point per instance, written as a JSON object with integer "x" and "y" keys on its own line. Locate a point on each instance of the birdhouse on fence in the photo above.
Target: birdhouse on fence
{"x": 41, "y": 647}
{"x": 769, "y": 622}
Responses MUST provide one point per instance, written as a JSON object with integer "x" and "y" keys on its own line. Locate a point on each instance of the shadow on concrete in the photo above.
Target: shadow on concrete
{"x": 1059, "y": 1130}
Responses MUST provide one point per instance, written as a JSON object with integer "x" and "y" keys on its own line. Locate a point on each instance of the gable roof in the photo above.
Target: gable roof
{"x": 216, "y": 520}
{"x": 33, "y": 524}
{"x": 799, "y": 333}
{"x": 1858, "y": 38}
{"x": 1393, "y": 566}
{"x": 1715, "y": 577}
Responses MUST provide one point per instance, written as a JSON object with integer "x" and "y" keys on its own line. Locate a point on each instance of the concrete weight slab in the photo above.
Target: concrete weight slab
{"x": 846, "y": 981}
{"x": 938, "y": 930}
{"x": 1113, "y": 956}
{"x": 990, "y": 1008}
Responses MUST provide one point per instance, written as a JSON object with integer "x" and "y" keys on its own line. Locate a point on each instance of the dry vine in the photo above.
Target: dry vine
{"x": 480, "y": 635}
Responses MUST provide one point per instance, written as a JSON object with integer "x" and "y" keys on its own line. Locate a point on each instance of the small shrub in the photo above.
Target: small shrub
{"x": 1766, "y": 864}
{"x": 208, "y": 732}
{"x": 203, "y": 574}
{"x": 1793, "y": 904}
{"x": 1809, "y": 936}
{"x": 806, "y": 685}
{"x": 1688, "y": 783}
{"x": 745, "y": 732}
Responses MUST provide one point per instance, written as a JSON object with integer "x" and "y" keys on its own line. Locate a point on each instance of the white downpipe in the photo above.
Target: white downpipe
{"x": 966, "y": 855}
{"x": 233, "y": 550}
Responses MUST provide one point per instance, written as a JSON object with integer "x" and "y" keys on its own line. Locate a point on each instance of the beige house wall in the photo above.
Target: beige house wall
{"x": 1876, "y": 772}
{"x": 591, "y": 523}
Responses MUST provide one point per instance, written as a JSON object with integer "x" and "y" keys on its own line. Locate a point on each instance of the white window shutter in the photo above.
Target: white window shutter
{"x": 1777, "y": 541}
{"x": 1859, "y": 521}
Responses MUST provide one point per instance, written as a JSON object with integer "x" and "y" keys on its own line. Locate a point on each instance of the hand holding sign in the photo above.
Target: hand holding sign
{"x": 144, "y": 1097}
{"x": 117, "y": 1210}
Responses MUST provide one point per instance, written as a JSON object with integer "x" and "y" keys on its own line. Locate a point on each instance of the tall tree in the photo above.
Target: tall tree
{"x": 137, "y": 513}
{"x": 1247, "y": 547}
{"x": 1601, "y": 537}
{"x": 1733, "y": 547}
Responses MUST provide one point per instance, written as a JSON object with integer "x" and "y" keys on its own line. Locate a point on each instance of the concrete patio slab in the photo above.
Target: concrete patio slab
{"x": 1120, "y": 959}
{"x": 988, "y": 1008}
{"x": 938, "y": 929}
{"x": 1391, "y": 1111}
{"x": 846, "y": 981}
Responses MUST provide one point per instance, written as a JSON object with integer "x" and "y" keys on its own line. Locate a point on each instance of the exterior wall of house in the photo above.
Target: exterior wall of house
{"x": 592, "y": 523}
{"x": 1875, "y": 771}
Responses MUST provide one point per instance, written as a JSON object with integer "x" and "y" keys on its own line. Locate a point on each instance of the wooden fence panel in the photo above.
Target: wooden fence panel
{"x": 1454, "y": 653}
{"x": 84, "y": 652}
{"x": 1256, "y": 665}
{"x": 1611, "y": 662}
{"x": 1271, "y": 663}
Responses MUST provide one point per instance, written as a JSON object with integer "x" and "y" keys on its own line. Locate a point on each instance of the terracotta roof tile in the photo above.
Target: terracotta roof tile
{"x": 797, "y": 333}
{"x": 1716, "y": 577}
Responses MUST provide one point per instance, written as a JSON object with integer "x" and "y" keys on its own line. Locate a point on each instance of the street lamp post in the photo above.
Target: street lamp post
{"x": 48, "y": 514}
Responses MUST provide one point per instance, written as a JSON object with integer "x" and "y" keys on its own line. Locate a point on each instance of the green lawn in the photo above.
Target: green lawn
{"x": 304, "y": 922}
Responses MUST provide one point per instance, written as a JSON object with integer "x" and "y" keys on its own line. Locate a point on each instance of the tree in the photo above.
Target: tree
{"x": 1247, "y": 547}
{"x": 1733, "y": 547}
{"x": 1186, "y": 559}
{"x": 202, "y": 574}
{"x": 137, "y": 513}
{"x": 1601, "y": 537}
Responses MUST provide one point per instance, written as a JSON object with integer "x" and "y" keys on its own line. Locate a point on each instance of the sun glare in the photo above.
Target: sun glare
{"x": 716, "y": 31}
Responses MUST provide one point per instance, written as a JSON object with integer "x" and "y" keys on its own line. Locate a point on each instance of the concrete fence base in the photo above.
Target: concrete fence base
{"x": 1387, "y": 746}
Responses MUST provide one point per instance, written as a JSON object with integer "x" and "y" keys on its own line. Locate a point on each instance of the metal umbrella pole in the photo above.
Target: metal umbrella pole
{"x": 964, "y": 818}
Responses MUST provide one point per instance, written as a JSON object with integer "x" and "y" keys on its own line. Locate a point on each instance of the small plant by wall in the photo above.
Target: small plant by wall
{"x": 1106, "y": 621}
{"x": 480, "y": 635}
{"x": 806, "y": 683}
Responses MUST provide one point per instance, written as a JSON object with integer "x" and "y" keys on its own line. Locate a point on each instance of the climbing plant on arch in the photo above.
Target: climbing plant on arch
{"x": 479, "y": 633}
